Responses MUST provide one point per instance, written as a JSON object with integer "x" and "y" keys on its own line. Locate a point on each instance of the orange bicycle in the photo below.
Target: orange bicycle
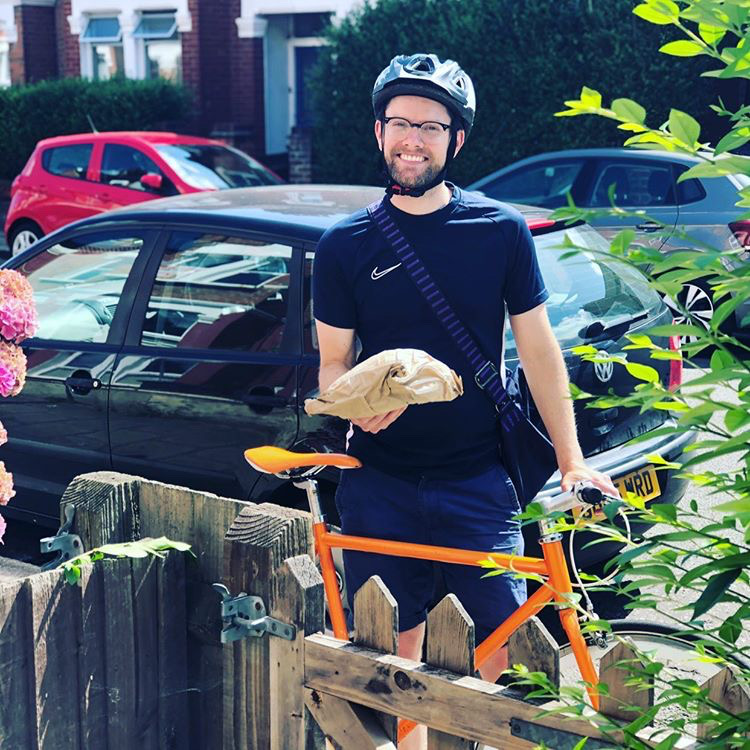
{"x": 551, "y": 569}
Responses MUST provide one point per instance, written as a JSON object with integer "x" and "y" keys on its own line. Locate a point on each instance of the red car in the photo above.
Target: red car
{"x": 74, "y": 176}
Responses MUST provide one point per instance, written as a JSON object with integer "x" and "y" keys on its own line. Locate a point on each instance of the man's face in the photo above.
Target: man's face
{"x": 411, "y": 161}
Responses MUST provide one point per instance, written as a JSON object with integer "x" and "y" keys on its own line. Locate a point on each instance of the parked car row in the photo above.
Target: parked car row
{"x": 74, "y": 176}
{"x": 175, "y": 333}
{"x": 642, "y": 180}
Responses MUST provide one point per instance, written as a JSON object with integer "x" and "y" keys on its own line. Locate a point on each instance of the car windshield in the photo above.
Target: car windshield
{"x": 587, "y": 287}
{"x": 206, "y": 166}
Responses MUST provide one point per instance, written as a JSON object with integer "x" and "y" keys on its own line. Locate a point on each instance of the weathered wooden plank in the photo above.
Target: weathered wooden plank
{"x": 258, "y": 542}
{"x": 533, "y": 646}
{"x": 348, "y": 725}
{"x": 200, "y": 519}
{"x": 145, "y": 628}
{"x": 449, "y": 644}
{"x": 55, "y": 617}
{"x": 376, "y": 627}
{"x": 616, "y": 668}
{"x": 106, "y": 504}
{"x": 171, "y": 617}
{"x": 120, "y": 657}
{"x": 729, "y": 692}
{"x": 297, "y": 598}
{"x": 92, "y": 684}
{"x": 461, "y": 705}
{"x": 17, "y": 695}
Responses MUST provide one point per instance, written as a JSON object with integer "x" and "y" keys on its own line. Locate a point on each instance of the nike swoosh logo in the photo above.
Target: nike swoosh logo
{"x": 375, "y": 275}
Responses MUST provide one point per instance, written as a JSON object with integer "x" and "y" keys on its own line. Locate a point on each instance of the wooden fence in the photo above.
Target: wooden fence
{"x": 132, "y": 658}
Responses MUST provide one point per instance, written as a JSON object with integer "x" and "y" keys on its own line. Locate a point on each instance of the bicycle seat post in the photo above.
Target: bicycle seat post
{"x": 310, "y": 486}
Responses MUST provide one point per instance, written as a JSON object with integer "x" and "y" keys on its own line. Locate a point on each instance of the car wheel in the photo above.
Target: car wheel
{"x": 696, "y": 299}
{"x": 23, "y": 235}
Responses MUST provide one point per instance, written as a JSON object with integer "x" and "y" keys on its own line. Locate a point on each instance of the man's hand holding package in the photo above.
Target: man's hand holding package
{"x": 374, "y": 393}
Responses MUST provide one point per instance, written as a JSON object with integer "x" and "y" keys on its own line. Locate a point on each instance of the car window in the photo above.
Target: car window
{"x": 123, "y": 166}
{"x": 219, "y": 292}
{"x": 636, "y": 184}
{"x": 688, "y": 191}
{"x": 77, "y": 285}
{"x": 588, "y": 287}
{"x": 207, "y": 166}
{"x": 543, "y": 184}
{"x": 68, "y": 161}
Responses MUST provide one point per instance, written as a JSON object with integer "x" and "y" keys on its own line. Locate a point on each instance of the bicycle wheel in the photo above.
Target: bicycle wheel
{"x": 673, "y": 646}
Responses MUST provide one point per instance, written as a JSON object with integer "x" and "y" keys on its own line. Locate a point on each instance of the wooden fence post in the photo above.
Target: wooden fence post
{"x": 258, "y": 542}
{"x": 534, "y": 647}
{"x": 726, "y": 689}
{"x": 616, "y": 668}
{"x": 17, "y": 699}
{"x": 450, "y": 644}
{"x": 107, "y": 508}
{"x": 297, "y": 599}
{"x": 376, "y": 626}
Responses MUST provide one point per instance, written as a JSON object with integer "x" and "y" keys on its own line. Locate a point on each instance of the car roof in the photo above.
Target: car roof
{"x": 611, "y": 152}
{"x": 135, "y": 136}
{"x": 301, "y": 211}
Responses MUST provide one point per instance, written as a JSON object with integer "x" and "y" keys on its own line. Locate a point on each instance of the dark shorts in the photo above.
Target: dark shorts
{"x": 471, "y": 513}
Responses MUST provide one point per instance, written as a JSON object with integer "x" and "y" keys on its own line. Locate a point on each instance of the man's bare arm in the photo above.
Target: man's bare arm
{"x": 336, "y": 347}
{"x": 547, "y": 376}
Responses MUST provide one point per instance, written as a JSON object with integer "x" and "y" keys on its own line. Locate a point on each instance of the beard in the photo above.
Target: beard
{"x": 416, "y": 182}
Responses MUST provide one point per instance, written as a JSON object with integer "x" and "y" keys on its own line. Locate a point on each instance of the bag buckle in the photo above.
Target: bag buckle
{"x": 479, "y": 375}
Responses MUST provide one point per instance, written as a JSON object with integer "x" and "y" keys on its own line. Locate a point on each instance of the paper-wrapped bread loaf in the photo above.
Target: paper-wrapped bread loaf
{"x": 387, "y": 381}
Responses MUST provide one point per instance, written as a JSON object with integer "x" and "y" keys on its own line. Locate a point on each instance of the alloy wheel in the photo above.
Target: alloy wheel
{"x": 699, "y": 304}
{"x": 25, "y": 238}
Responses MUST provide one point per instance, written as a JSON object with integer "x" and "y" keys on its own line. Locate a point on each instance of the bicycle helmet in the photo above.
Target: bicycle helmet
{"x": 427, "y": 76}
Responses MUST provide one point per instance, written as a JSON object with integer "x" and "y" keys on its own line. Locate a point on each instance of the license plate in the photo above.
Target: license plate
{"x": 642, "y": 483}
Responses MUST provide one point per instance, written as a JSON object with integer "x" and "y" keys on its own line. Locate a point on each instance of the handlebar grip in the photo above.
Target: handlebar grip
{"x": 591, "y": 495}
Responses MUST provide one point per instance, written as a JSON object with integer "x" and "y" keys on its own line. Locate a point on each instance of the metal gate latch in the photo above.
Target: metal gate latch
{"x": 245, "y": 615}
{"x": 66, "y": 545}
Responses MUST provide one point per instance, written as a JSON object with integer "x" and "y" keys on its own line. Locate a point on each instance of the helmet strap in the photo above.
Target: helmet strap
{"x": 393, "y": 187}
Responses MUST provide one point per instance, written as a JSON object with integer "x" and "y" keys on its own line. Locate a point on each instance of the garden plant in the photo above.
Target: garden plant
{"x": 700, "y": 556}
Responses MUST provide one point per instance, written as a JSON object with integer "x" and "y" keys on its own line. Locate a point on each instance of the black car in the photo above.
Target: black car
{"x": 176, "y": 333}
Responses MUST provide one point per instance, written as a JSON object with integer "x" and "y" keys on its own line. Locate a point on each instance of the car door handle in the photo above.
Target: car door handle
{"x": 649, "y": 226}
{"x": 264, "y": 399}
{"x": 82, "y": 383}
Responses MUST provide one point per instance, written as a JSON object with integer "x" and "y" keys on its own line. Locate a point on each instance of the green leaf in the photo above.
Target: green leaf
{"x": 591, "y": 98}
{"x": 732, "y": 140}
{"x": 682, "y": 48}
{"x": 622, "y": 241}
{"x": 736, "y": 419}
{"x": 684, "y": 127}
{"x": 642, "y": 372}
{"x": 710, "y": 34}
{"x": 682, "y": 329}
{"x": 714, "y": 591}
{"x": 629, "y": 111}
{"x": 731, "y": 630}
{"x": 647, "y": 13}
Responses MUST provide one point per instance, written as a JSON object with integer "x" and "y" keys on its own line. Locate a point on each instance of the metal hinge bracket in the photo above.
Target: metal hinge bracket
{"x": 245, "y": 615}
{"x": 66, "y": 545}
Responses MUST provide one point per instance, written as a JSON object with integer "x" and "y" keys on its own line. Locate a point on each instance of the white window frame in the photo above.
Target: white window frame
{"x": 87, "y": 45}
{"x": 294, "y": 42}
{"x": 140, "y": 41}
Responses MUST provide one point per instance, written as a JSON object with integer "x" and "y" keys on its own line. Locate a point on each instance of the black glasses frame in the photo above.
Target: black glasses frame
{"x": 418, "y": 125}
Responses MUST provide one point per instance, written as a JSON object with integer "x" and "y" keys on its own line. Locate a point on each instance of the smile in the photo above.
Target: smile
{"x": 414, "y": 158}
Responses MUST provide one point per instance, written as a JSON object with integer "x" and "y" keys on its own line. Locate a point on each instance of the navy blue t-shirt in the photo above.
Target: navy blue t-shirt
{"x": 481, "y": 254}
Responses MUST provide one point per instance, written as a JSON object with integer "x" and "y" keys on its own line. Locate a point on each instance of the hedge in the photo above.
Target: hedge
{"x": 59, "y": 107}
{"x": 526, "y": 57}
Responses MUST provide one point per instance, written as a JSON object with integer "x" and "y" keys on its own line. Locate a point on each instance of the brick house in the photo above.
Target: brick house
{"x": 246, "y": 60}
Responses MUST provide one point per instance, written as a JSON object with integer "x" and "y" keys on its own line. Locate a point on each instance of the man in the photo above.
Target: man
{"x": 431, "y": 474}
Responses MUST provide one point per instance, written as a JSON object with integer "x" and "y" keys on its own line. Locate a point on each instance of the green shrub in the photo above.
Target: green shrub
{"x": 60, "y": 107}
{"x": 524, "y": 56}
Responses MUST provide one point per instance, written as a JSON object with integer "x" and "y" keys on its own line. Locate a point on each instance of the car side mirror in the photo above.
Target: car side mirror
{"x": 151, "y": 180}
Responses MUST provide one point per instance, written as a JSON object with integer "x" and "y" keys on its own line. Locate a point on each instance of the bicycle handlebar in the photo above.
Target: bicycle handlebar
{"x": 582, "y": 494}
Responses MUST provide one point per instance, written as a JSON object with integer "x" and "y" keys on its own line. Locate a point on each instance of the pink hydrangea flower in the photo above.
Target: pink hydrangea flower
{"x": 6, "y": 485}
{"x": 18, "y": 319}
{"x": 3, "y": 434}
{"x": 12, "y": 369}
{"x": 2, "y": 529}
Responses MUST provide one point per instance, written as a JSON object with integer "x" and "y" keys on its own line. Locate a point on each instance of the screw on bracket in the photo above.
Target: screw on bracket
{"x": 245, "y": 615}
{"x": 66, "y": 545}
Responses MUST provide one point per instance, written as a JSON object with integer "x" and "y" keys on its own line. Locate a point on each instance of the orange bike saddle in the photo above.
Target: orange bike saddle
{"x": 273, "y": 460}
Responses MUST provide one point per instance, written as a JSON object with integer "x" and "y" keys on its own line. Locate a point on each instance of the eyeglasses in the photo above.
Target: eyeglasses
{"x": 430, "y": 132}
